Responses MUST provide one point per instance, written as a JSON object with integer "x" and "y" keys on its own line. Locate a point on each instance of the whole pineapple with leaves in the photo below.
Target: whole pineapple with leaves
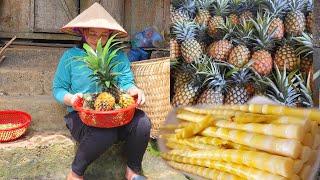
{"x": 286, "y": 57}
{"x": 237, "y": 92}
{"x": 246, "y": 8}
{"x": 203, "y": 11}
{"x": 263, "y": 43}
{"x": 220, "y": 9}
{"x": 187, "y": 93}
{"x": 221, "y": 49}
{"x": 185, "y": 33}
{"x": 214, "y": 84}
{"x": 303, "y": 86}
{"x": 103, "y": 72}
{"x": 277, "y": 8}
{"x": 182, "y": 10}
{"x": 295, "y": 22}
{"x": 240, "y": 54}
{"x": 281, "y": 88}
{"x": 304, "y": 49}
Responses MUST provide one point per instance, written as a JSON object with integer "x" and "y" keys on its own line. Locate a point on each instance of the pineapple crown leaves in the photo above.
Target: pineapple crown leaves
{"x": 213, "y": 77}
{"x": 221, "y": 7}
{"x": 202, "y": 30}
{"x": 309, "y": 5}
{"x": 261, "y": 38}
{"x": 241, "y": 76}
{"x": 228, "y": 29}
{"x": 296, "y": 5}
{"x": 235, "y": 6}
{"x": 277, "y": 8}
{"x": 281, "y": 89}
{"x": 184, "y": 30}
{"x": 102, "y": 66}
{"x": 243, "y": 32}
{"x": 304, "y": 44}
{"x": 248, "y": 5}
{"x": 204, "y": 4}
{"x": 187, "y": 7}
{"x": 303, "y": 86}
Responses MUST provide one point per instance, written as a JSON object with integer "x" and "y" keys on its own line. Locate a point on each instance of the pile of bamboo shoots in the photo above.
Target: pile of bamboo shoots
{"x": 244, "y": 142}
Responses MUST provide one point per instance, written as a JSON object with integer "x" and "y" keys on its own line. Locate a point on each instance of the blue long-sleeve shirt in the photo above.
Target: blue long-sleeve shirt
{"x": 72, "y": 76}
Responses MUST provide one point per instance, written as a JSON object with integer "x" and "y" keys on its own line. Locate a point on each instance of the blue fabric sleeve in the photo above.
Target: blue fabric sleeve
{"x": 125, "y": 79}
{"x": 62, "y": 78}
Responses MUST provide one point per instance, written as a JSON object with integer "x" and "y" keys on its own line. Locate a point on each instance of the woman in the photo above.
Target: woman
{"x": 71, "y": 81}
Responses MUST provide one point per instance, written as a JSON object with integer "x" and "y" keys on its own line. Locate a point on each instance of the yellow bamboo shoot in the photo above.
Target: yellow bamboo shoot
{"x": 193, "y": 145}
{"x": 173, "y": 145}
{"x": 295, "y": 177}
{"x": 305, "y": 172}
{"x": 203, "y": 172}
{"x": 305, "y": 123}
{"x": 189, "y": 116}
{"x": 286, "y": 147}
{"x": 290, "y": 131}
{"x": 267, "y": 162}
{"x": 308, "y": 140}
{"x": 297, "y": 166}
{"x": 314, "y": 128}
{"x": 239, "y": 170}
{"x": 193, "y": 129}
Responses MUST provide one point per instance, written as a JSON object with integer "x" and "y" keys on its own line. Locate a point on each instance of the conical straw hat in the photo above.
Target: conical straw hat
{"x": 94, "y": 17}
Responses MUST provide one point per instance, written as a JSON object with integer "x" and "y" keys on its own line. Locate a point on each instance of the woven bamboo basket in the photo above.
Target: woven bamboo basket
{"x": 153, "y": 77}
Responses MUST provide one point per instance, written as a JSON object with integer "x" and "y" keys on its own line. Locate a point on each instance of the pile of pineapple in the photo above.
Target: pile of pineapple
{"x": 226, "y": 51}
{"x": 105, "y": 101}
{"x": 244, "y": 142}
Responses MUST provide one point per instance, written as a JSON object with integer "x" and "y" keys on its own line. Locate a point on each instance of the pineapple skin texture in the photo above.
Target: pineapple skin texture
{"x": 125, "y": 100}
{"x": 174, "y": 49}
{"x": 286, "y": 56}
{"x": 295, "y": 23}
{"x": 239, "y": 56}
{"x": 220, "y": 50}
{"x": 191, "y": 50}
{"x": 237, "y": 95}
{"x": 104, "y": 102}
{"x": 213, "y": 25}
{"x": 203, "y": 17}
{"x": 277, "y": 27}
{"x": 262, "y": 62}
{"x": 209, "y": 96}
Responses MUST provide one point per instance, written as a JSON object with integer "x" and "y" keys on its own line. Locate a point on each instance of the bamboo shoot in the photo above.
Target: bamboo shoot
{"x": 193, "y": 129}
{"x": 297, "y": 166}
{"x": 308, "y": 140}
{"x": 305, "y": 172}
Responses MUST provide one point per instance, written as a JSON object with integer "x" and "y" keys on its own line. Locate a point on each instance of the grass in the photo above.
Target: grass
{"x": 153, "y": 148}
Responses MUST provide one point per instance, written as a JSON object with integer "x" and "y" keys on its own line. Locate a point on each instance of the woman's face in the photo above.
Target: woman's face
{"x": 92, "y": 36}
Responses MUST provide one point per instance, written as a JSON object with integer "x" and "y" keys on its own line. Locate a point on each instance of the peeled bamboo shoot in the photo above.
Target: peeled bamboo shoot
{"x": 173, "y": 145}
{"x": 305, "y": 172}
{"x": 191, "y": 144}
{"x": 290, "y": 131}
{"x": 297, "y": 166}
{"x": 193, "y": 129}
{"x": 204, "y": 172}
{"x": 305, "y": 123}
{"x": 286, "y": 147}
{"x": 239, "y": 170}
{"x": 189, "y": 116}
{"x": 314, "y": 128}
{"x": 267, "y": 162}
{"x": 316, "y": 141}
{"x": 312, "y": 158}
{"x": 305, "y": 154}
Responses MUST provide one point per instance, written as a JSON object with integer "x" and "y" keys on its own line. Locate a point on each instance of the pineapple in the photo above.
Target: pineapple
{"x": 263, "y": 43}
{"x": 182, "y": 74}
{"x": 125, "y": 100}
{"x": 286, "y": 57}
{"x": 182, "y": 10}
{"x": 234, "y": 10}
{"x": 104, "y": 102}
{"x": 221, "y": 49}
{"x": 215, "y": 85}
{"x": 103, "y": 73}
{"x": 247, "y": 6}
{"x": 174, "y": 49}
{"x": 295, "y": 22}
{"x": 203, "y": 36}
{"x": 185, "y": 32}
{"x": 88, "y": 100}
{"x": 240, "y": 55}
{"x": 277, "y": 9}
{"x": 187, "y": 93}
{"x": 221, "y": 8}
{"x": 281, "y": 89}
{"x": 309, "y": 20}
{"x": 203, "y": 14}
{"x": 304, "y": 48}
{"x": 237, "y": 93}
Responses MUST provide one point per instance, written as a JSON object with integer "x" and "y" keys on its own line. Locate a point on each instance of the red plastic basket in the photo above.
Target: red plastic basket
{"x": 13, "y": 117}
{"x": 105, "y": 119}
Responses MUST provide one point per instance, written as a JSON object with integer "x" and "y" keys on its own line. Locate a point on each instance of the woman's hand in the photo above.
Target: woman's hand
{"x": 134, "y": 91}
{"x": 69, "y": 99}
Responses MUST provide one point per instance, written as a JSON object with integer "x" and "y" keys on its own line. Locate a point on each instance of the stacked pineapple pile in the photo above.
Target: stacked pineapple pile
{"x": 111, "y": 98}
{"x": 244, "y": 142}
{"x": 229, "y": 50}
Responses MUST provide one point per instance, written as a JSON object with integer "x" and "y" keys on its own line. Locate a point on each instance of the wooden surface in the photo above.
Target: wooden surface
{"x": 316, "y": 56}
{"x": 26, "y": 18}
{"x": 50, "y": 16}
